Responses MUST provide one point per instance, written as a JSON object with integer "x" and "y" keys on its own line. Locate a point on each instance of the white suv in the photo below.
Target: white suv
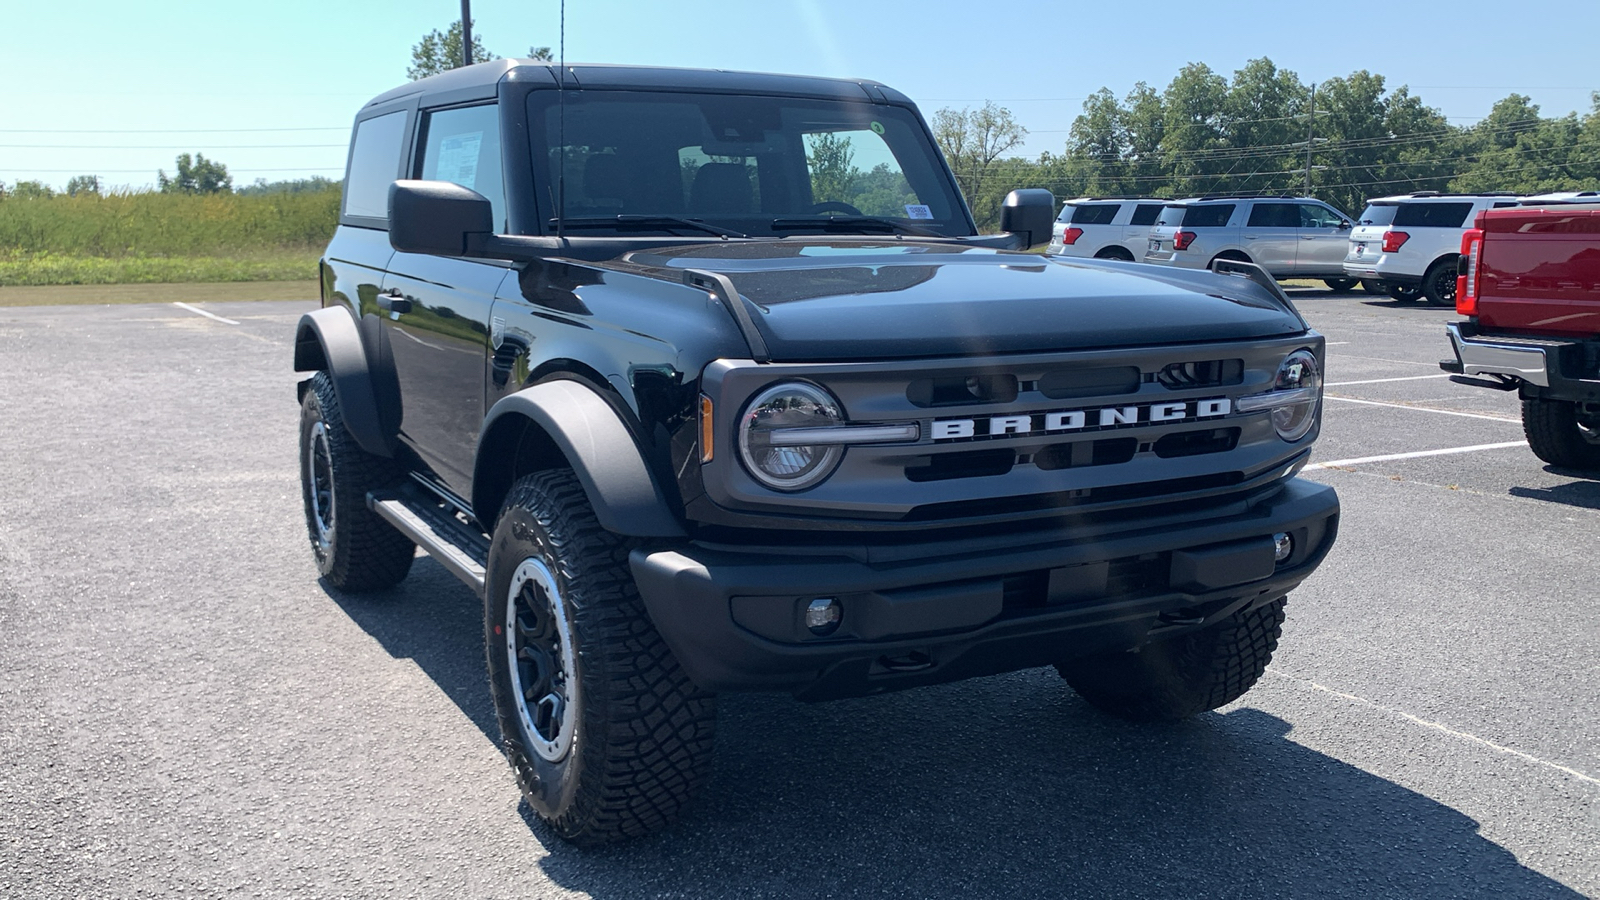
{"x": 1105, "y": 227}
{"x": 1409, "y": 243}
{"x": 1290, "y": 237}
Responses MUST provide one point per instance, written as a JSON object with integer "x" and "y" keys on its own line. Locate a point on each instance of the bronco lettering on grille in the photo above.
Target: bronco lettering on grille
{"x": 1076, "y": 419}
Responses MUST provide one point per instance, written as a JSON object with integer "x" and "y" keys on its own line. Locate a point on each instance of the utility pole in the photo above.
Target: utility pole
{"x": 466, "y": 32}
{"x": 1311, "y": 128}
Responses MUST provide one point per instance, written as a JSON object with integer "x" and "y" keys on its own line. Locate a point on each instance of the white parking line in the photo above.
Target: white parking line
{"x": 1385, "y": 380}
{"x": 1442, "y": 412}
{"x": 1360, "y": 460}
{"x": 1471, "y": 738}
{"x": 196, "y": 309}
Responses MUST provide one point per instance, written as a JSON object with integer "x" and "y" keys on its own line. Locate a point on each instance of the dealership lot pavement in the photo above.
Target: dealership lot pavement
{"x": 185, "y": 710}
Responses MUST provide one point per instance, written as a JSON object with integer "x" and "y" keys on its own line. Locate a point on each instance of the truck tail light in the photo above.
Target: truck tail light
{"x": 1470, "y": 279}
{"x": 1394, "y": 240}
{"x": 1071, "y": 235}
{"x": 1183, "y": 239}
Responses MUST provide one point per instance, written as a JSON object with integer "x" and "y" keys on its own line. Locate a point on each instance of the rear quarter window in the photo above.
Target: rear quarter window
{"x": 1432, "y": 215}
{"x": 1215, "y": 216}
{"x": 1094, "y": 213}
{"x": 375, "y": 153}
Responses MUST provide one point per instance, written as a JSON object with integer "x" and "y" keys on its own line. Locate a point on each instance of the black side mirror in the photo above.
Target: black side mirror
{"x": 437, "y": 217}
{"x": 1344, "y": 225}
{"x": 1028, "y": 214}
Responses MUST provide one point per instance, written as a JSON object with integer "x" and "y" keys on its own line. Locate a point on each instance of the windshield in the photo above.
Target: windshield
{"x": 636, "y": 160}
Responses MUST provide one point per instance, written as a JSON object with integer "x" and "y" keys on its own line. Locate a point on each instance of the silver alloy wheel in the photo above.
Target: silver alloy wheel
{"x": 543, "y": 681}
{"x": 320, "y": 461}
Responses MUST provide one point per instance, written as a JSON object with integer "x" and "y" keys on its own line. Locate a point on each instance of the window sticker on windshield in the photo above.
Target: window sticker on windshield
{"x": 458, "y": 159}
{"x": 918, "y": 211}
{"x": 877, "y": 128}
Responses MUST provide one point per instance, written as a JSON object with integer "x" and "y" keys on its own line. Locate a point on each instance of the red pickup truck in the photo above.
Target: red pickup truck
{"x": 1529, "y": 283}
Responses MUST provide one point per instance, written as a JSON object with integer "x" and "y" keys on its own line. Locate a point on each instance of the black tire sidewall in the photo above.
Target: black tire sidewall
{"x": 1436, "y": 274}
{"x": 550, "y": 787}
{"x": 312, "y": 411}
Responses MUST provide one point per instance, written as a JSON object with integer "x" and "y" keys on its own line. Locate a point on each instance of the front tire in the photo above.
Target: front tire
{"x": 355, "y": 549}
{"x": 607, "y": 736}
{"x": 1559, "y": 435}
{"x": 1340, "y": 284}
{"x": 1185, "y": 675}
{"x": 1404, "y": 293}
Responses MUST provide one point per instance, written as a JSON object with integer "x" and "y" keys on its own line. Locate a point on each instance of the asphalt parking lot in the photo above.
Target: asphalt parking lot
{"x": 186, "y": 711}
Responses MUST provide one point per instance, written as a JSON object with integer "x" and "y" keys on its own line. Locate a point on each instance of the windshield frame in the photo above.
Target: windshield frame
{"x": 924, "y": 167}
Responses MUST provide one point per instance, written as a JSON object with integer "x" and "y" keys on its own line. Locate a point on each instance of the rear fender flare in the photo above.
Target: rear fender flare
{"x": 328, "y": 340}
{"x": 567, "y": 422}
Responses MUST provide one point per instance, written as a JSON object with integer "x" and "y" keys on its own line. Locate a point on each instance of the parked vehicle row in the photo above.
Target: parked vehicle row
{"x": 1406, "y": 245}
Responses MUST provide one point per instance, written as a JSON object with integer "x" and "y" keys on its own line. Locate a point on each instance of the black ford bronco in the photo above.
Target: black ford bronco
{"x": 705, "y": 381}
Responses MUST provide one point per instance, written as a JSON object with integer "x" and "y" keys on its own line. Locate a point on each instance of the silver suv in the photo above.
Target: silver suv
{"x": 1290, "y": 237}
{"x": 1409, "y": 243}
{"x": 1105, "y": 227}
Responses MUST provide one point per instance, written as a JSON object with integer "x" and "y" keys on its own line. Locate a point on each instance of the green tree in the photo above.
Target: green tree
{"x": 1100, "y": 138}
{"x": 541, "y": 54}
{"x": 833, "y": 174}
{"x": 1195, "y": 112}
{"x": 196, "y": 175}
{"x": 441, "y": 51}
{"x": 83, "y": 184}
{"x": 31, "y": 190}
{"x": 973, "y": 142}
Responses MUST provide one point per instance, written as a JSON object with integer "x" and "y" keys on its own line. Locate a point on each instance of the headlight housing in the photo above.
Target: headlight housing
{"x": 772, "y": 459}
{"x": 1295, "y": 396}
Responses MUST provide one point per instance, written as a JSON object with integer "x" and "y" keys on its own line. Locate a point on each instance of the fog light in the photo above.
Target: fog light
{"x": 1282, "y": 546}
{"x": 823, "y": 615}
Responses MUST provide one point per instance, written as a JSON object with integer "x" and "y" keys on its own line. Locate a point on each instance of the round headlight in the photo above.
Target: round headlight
{"x": 1298, "y": 373}
{"x": 780, "y": 464}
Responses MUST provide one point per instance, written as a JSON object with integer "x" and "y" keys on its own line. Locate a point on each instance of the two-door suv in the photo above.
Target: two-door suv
{"x": 705, "y": 381}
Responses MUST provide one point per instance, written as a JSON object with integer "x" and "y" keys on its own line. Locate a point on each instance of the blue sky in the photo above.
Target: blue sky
{"x": 118, "y": 89}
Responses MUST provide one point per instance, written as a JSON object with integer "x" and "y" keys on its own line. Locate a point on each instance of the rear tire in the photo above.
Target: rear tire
{"x": 1185, "y": 675}
{"x": 607, "y": 736}
{"x": 1234, "y": 255}
{"x": 1372, "y": 287}
{"x": 355, "y": 549}
{"x": 1559, "y": 436}
{"x": 1117, "y": 253}
{"x": 1404, "y": 293}
{"x": 1439, "y": 284}
{"x": 1340, "y": 284}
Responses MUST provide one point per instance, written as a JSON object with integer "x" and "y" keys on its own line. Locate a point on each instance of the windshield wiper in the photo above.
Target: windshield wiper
{"x": 649, "y": 222}
{"x": 852, "y": 223}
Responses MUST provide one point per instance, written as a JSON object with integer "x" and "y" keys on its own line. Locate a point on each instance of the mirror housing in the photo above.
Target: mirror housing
{"x": 438, "y": 218}
{"x": 1028, "y": 214}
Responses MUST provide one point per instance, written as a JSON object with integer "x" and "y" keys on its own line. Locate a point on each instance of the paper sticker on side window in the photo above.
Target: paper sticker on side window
{"x": 458, "y": 159}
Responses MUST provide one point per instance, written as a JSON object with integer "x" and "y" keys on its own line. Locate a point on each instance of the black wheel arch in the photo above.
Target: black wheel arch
{"x": 329, "y": 340}
{"x": 565, "y": 423}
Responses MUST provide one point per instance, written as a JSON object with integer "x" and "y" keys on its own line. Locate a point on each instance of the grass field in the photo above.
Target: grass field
{"x": 89, "y": 294}
{"x": 149, "y": 237}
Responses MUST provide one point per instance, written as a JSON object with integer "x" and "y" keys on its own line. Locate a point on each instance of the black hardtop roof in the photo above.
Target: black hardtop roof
{"x": 601, "y": 76}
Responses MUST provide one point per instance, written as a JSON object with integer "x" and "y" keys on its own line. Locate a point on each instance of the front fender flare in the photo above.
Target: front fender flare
{"x": 328, "y": 340}
{"x": 602, "y": 453}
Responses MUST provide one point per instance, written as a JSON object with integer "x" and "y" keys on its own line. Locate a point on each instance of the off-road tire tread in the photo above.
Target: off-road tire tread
{"x": 1183, "y": 676}
{"x": 647, "y": 732}
{"x": 367, "y": 553}
{"x": 1551, "y": 427}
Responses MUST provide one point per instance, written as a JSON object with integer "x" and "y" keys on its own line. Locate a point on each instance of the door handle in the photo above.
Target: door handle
{"x": 1249, "y": 237}
{"x": 394, "y": 301}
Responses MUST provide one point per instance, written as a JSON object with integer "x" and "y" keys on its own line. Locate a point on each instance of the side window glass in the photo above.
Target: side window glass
{"x": 1207, "y": 216}
{"x": 374, "y": 165}
{"x": 1095, "y": 214}
{"x": 1146, "y": 214}
{"x": 1274, "y": 215}
{"x": 462, "y": 146}
{"x": 1318, "y": 217}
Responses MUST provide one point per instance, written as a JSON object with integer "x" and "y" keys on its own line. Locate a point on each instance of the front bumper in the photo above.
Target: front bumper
{"x": 940, "y": 611}
{"x": 1550, "y": 369}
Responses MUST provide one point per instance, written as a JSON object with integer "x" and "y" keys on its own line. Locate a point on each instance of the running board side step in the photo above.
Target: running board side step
{"x": 454, "y": 544}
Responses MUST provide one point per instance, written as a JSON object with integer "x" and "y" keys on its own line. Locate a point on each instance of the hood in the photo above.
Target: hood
{"x": 835, "y": 300}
